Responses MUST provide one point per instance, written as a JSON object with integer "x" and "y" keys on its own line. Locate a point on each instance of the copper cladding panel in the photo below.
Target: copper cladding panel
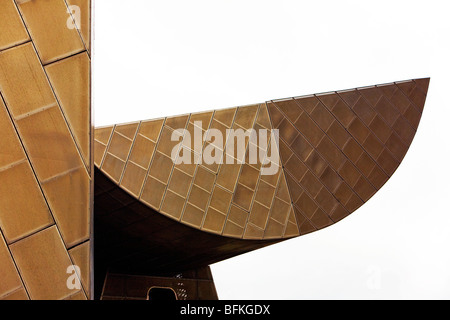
{"x": 45, "y": 161}
{"x": 336, "y": 149}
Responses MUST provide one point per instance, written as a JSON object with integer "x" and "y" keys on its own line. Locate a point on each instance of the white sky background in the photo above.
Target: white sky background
{"x": 158, "y": 58}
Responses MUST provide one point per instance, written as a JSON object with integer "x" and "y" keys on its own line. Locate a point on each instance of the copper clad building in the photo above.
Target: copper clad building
{"x": 159, "y": 224}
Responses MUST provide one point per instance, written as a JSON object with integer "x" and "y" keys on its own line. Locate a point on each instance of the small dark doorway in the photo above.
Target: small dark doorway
{"x": 161, "y": 294}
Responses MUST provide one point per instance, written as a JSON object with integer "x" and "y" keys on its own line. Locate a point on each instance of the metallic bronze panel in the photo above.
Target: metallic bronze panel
{"x": 52, "y": 29}
{"x": 337, "y": 149}
{"x": 45, "y": 156}
{"x": 70, "y": 79}
{"x": 13, "y": 29}
{"x": 42, "y": 260}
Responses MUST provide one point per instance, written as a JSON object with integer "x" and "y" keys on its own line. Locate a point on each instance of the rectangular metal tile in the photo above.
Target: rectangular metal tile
{"x": 371, "y": 94}
{"x": 358, "y": 130}
{"x": 352, "y": 150}
{"x": 365, "y": 164}
{"x": 271, "y": 179}
{"x": 373, "y": 146}
{"x": 81, "y": 11}
{"x": 304, "y": 224}
{"x": 380, "y": 128}
{"x": 330, "y": 179}
{"x": 249, "y": 176}
{"x": 287, "y": 131}
{"x": 253, "y": 232}
{"x": 11, "y": 149}
{"x": 307, "y": 205}
{"x": 23, "y": 209}
{"x": 72, "y": 213}
{"x": 205, "y": 178}
{"x": 103, "y": 135}
{"x": 202, "y": 119}
{"x": 13, "y": 30}
{"x": 237, "y": 216}
{"x": 225, "y": 116}
{"x": 265, "y": 193}
{"x": 113, "y": 167}
{"x": 214, "y": 221}
{"x": 326, "y": 200}
{"x": 311, "y": 183}
{"x": 364, "y": 189}
{"x": 17, "y": 295}
{"x": 79, "y": 296}
{"x": 275, "y": 114}
{"x": 331, "y": 153}
{"x": 23, "y": 82}
{"x": 259, "y": 215}
{"x": 338, "y": 134}
{"x": 127, "y": 130}
{"x": 321, "y": 220}
{"x": 301, "y": 147}
{"x": 99, "y": 153}
{"x": 180, "y": 182}
{"x": 142, "y": 151}
{"x": 43, "y": 262}
{"x": 192, "y": 157}
{"x": 52, "y": 29}
{"x": 289, "y": 108}
{"x": 221, "y": 200}
{"x": 120, "y": 146}
{"x": 387, "y": 111}
{"x": 10, "y": 280}
{"x": 296, "y": 167}
{"x": 166, "y": 144}
{"x": 396, "y": 146}
{"x": 322, "y": 117}
{"x": 49, "y": 143}
{"x": 81, "y": 257}
{"x": 343, "y": 113}
{"x": 133, "y": 178}
{"x": 70, "y": 79}
{"x": 173, "y": 204}
{"x": 245, "y": 116}
{"x": 153, "y": 192}
{"x": 309, "y": 129}
{"x": 308, "y": 103}
{"x": 404, "y": 129}
{"x": 193, "y": 216}
{"x": 280, "y": 211}
{"x": 273, "y": 230}
{"x": 316, "y": 163}
{"x": 263, "y": 117}
{"x": 151, "y": 129}
{"x": 243, "y": 197}
{"x": 377, "y": 177}
{"x": 387, "y": 162}
{"x": 161, "y": 167}
{"x": 178, "y": 122}
{"x": 353, "y": 203}
{"x": 364, "y": 111}
{"x": 343, "y": 193}
{"x": 199, "y": 197}
{"x": 350, "y": 174}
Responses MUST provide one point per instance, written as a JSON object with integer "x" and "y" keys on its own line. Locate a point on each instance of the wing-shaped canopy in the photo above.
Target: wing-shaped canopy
{"x": 336, "y": 149}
